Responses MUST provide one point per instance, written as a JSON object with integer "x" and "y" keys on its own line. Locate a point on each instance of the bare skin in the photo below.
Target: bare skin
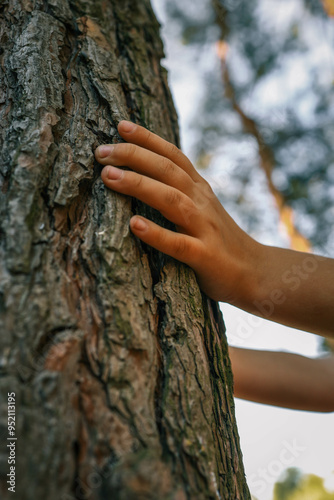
{"x": 289, "y": 287}
{"x": 283, "y": 379}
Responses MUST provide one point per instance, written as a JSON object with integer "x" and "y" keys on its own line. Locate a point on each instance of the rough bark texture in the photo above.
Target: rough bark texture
{"x": 119, "y": 364}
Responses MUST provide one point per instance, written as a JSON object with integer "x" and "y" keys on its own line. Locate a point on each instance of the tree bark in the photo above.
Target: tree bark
{"x": 120, "y": 368}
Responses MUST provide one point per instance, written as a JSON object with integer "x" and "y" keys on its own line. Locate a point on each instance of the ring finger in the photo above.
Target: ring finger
{"x": 171, "y": 203}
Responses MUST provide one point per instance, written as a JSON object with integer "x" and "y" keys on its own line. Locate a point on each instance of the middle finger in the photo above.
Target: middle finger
{"x": 171, "y": 203}
{"x": 146, "y": 162}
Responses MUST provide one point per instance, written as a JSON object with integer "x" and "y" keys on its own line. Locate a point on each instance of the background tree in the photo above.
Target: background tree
{"x": 295, "y": 486}
{"x": 119, "y": 365}
{"x": 269, "y": 106}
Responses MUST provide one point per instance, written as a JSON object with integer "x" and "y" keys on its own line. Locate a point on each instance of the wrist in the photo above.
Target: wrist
{"x": 252, "y": 276}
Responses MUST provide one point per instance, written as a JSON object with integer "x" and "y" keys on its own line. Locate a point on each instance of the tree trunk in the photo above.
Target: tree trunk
{"x": 120, "y": 369}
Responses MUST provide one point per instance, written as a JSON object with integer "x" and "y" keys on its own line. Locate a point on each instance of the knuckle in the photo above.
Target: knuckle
{"x": 167, "y": 167}
{"x": 171, "y": 148}
{"x": 147, "y": 135}
{"x": 173, "y": 197}
{"x": 203, "y": 184}
{"x": 203, "y": 194}
{"x": 206, "y": 186}
{"x": 162, "y": 237}
{"x": 137, "y": 180}
{"x": 208, "y": 190}
{"x": 174, "y": 151}
{"x": 127, "y": 151}
{"x": 191, "y": 205}
{"x": 202, "y": 202}
{"x": 180, "y": 246}
{"x": 213, "y": 226}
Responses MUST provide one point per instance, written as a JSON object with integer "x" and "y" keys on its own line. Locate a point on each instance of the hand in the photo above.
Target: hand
{"x": 207, "y": 239}
{"x": 293, "y": 288}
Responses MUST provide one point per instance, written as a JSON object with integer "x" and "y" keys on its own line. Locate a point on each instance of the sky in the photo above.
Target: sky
{"x": 271, "y": 438}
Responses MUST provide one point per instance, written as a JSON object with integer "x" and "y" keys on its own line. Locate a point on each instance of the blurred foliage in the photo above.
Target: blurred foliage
{"x": 326, "y": 346}
{"x": 296, "y": 486}
{"x": 280, "y": 64}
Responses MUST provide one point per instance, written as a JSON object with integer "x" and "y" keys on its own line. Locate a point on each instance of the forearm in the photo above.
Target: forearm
{"x": 292, "y": 288}
{"x": 283, "y": 379}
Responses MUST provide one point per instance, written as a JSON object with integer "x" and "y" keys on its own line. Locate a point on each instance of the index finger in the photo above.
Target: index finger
{"x": 140, "y": 136}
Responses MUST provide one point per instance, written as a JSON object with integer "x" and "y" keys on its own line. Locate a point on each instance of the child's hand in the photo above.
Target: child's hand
{"x": 208, "y": 240}
{"x": 290, "y": 287}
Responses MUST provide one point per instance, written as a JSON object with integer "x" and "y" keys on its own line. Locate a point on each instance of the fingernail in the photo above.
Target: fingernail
{"x": 104, "y": 151}
{"x": 127, "y": 126}
{"x": 114, "y": 173}
{"x": 139, "y": 224}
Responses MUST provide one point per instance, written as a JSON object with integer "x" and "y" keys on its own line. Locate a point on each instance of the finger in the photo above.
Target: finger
{"x": 142, "y": 137}
{"x": 145, "y": 162}
{"x": 171, "y": 203}
{"x": 182, "y": 247}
